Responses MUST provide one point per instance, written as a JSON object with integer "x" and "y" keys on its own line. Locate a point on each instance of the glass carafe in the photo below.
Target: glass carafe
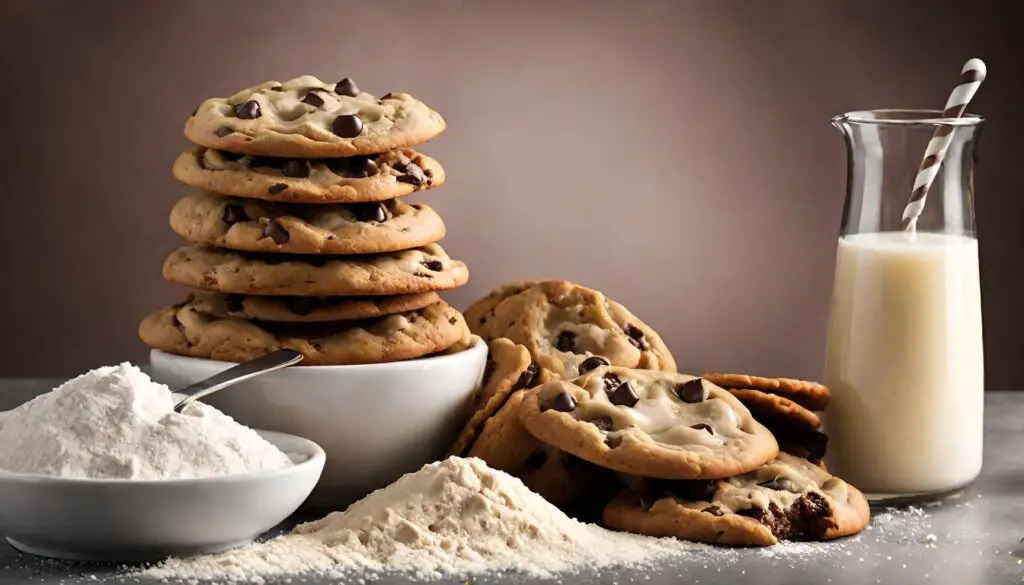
{"x": 904, "y": 359}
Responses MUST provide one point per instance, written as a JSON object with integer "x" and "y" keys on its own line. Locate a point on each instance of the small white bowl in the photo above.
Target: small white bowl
{"x": 133, "y": 521}
{"x": 376, "y": 422}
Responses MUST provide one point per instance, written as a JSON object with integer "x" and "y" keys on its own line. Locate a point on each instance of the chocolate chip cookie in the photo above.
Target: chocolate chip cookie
{"x": 354, "y": 179}
{"x": 795, "y": 428}
{"x": 503, "y": 442}
{"x": 308, "y": 309}
{"x": 773, "y": 410}
{"x": 649, "y": 423}
{"x": 509, "y": 368}
{"x": 184, "y": 329}
{"x": 568, "y": 328}
{"x": 570, "y": 483}
{"x": 308, "y": 118}
{"x": 810, "y": 395}
{"x": 788, "y": 498}
{"x": 259, "y": 226}
{"x": 422, "y": 269}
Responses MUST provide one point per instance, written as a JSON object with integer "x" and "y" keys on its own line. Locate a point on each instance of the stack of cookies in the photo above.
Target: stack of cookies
{"x": 300, "y": 234}
{"x": 582, "y": 401}
{"x": 786, "y": 406}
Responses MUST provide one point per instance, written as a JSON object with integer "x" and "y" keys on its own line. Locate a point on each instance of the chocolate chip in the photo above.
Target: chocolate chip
{"x": 713, "y": 510}
{"x": 386, "y": 96}
{"x": 526, "y": 378}
{"x": 229, "y": 156}
{"x": 625, "y": 395}
{"x": 233, "y": 303}
{"x": 612, "y": 441}
{"x": 779, "y": 483}
{"x": 275, "y": 231}
{"x": 295, "y": 168}
{"x": 302, "y": 306}
{"x": 703, "y": 427}
{"x": 277, "y": 88}
{"x": 611, "y": 381}
{"x": 346, "y": 87}
{"x": 809, "y": 518}
{"x": 347, "y": 126}
{"x": 234, "y": 214}
{"x": 250, "y": 110}
{"x": 194, "y": 112}
{"x": 603, "y": 424}
{"x": 414, "y": 175}
{"x": 313, "y": 99}
{"x": 371, "y": 211}
{"x": 564, "y": 402}
{"x": 277, "y": 188}
{"x": 592, "y": 362}
{"x": 692, "y": 391}
{"x": 435, "y": 265}
{"x": 566, "y": 341}
{"x": 636, "y": 337}
{"x": 224, "y": 131}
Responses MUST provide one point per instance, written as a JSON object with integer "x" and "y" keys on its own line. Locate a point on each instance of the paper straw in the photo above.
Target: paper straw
{"x": 971, "y": 77}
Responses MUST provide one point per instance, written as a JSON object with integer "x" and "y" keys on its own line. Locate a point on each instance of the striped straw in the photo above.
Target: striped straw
{"x": 971, "y": 77}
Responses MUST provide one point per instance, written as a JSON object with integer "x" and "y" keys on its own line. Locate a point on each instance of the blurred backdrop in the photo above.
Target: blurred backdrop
{"x": 676, "y": 155}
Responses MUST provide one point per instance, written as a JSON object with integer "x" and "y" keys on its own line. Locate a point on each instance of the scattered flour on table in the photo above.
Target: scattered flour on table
{"x": 459, "y": 517}
{"x": 904, "y": 524}
{"x": 116, "y": 423}
{"x": 456, "y": 517}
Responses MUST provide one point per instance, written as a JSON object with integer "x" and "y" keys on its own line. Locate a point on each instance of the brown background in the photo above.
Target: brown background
{"x": 676, "y": 155}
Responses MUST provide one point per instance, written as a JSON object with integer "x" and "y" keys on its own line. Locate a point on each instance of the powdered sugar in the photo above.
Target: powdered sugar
{"x": 116, "y": 423}
{"x": 454, "y": 517}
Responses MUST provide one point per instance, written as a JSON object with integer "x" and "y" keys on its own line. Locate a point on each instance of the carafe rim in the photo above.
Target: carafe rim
{"x": 905, "y": 117}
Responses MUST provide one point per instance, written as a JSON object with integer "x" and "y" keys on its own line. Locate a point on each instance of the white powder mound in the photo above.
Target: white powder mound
{"x": 116, "y": 423}
{"x": 456, "y": 517}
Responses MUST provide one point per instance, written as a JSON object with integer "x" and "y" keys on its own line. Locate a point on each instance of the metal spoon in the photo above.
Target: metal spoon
{"x": 272, "y": 361}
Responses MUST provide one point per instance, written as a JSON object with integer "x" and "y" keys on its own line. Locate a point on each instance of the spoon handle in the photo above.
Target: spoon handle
{"x": 261, "y": 365}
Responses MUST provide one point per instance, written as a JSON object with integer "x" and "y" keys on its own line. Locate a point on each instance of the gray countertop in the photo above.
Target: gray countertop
{"x": 973, "y": 537}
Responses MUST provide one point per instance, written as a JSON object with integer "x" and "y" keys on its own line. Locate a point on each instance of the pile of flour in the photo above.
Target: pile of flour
{"x": 456, "y": 517}
{"x": 116, "y": 423}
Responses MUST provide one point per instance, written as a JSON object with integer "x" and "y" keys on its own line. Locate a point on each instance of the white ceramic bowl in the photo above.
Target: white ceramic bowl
{"x": 376, "y": 422}
{"x": 131, "y": 521}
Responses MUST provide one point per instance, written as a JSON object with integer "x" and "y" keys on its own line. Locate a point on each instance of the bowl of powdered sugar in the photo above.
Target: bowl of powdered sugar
{"x": 101, "y": 468}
